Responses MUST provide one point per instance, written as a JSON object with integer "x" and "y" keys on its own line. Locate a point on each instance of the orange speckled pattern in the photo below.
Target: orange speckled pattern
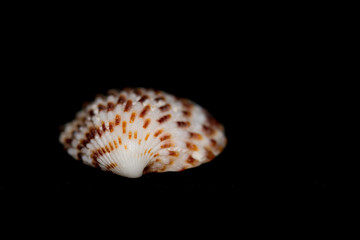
{"x": 138, "y": 131}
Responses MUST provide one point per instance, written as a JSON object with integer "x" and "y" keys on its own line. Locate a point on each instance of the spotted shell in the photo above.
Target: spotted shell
{"x": 137, "y": 131}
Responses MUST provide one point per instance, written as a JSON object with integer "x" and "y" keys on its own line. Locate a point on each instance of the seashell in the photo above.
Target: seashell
{"x": 137, "y": 131}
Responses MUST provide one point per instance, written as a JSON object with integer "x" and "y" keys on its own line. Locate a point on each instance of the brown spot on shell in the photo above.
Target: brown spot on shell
{"x": 209, "y": 155}
{"x": 191, "y": 160}
{"x": 165, "y": 108}
{"x": 85, "y": 141}
{"x": 209, "y": 131}
{"x": 81, "y": 145}
{"x": 171, "y": 162}
{"x": 128, "y": 106}
{"x": 186, "y": 103}
{"x": 98, "y": 131}
{"x": 143, "y": 98}
{"x": 165, "y": 137}
{"x": 164, "y": 118}
{"x": 110, "y": 106}
{"x": 92, "y": 132}
{"x": 195, "y": 136}
{"x": 174, "y": 153}
{"x": 111, "y": 146}
{"x": 103, "y": 126}
{"x": 182, "y": 124}
{"x": 133, "y": 116}
{"x": 94, "y": 161}
{"x": 156, "y": 155}
{"x": 158, "y": 132}
{"x": 94, "y": 155}
{"x": 146, "y": 123}
{"x": 117, "y": 119}
{"x": 147, "y": 136}
{"x": 159, "y": 99}
{"x": 119, "y": 139}
{"x": 121, "y": 99}
{"x": 213, "y": 142}
{"x": 99, "y": 151}
{"x": 111, "y": 126}
{"x": 68, "y": 141}
{"x": 139, "y": 141}
{"x": 130, "y": 134}
{"x": 101, "y": 107}
{"x": 157, "y": 91}
{"x": 125, "y": 146}
{"x": 138, "y": 91}
{"x": 187, "y": 113}
{"x": 111, "y": 166}
{"x": 162, "y": 169}
{"x": 145, "y": 111}
{"x": 135, "y": 135}
{"x": 167, "y": 145}
{"x": 115, "y": 143}
{"x": 91, "y": 113}
{"x": 192, "y": 146}
{"x": 124, "y": 127}
{"x": 107, "y": 149}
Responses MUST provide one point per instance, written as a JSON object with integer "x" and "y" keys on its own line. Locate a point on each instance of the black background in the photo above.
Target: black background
{"x": 274, "y": 91}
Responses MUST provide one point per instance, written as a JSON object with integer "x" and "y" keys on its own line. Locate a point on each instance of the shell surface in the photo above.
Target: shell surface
{"x": 137, "y": 131}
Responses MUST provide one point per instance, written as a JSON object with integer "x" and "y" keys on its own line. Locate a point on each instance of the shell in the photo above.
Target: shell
{"x": 137, "y": 131}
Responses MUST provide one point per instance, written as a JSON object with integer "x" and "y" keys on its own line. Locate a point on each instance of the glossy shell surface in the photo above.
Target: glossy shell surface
{"x": 137, "y": 131}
